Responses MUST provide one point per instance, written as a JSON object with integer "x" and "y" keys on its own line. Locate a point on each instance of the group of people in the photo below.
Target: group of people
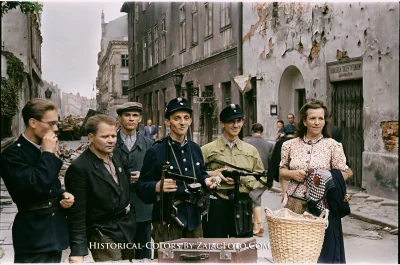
{"x": 125, "y": 189}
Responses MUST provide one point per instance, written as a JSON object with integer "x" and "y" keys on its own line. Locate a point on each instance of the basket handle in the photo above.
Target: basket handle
{"x": 268, "y": 211}
{"x": 324, "y": 215}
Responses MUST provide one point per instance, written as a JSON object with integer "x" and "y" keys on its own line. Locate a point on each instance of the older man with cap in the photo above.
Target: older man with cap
{"x": 185, "y": 158}
{"x": 221, "y": 221}
{"x": 130, "y": 148}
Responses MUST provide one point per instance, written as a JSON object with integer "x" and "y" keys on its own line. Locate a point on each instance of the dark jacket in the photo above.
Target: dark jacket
{"x": 32, "y": 176}
{"x": 273, "y": 167}
{"x": 97, "y": 199}
{"x": 147, "y": 133}
{"x": 151, "y": 173}
{"x": 133, "y": 161}
{"x": 333, "y": 247}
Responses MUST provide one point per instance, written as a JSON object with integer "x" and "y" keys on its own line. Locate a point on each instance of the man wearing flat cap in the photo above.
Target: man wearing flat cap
{"x": 220, "y": 222}
{"x": 184, "y": 158}
{"x": 130, "y": 148}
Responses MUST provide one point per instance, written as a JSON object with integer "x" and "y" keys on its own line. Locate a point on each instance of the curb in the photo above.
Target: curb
{"x": 361, "y": 216}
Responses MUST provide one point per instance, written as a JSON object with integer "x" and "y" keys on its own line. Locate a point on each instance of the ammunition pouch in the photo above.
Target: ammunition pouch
{"x": 242, "y": 213}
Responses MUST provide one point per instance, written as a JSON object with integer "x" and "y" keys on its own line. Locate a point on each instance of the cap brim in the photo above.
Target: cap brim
{"x": 167, "y": 114}
{"x": 236, "y": 116}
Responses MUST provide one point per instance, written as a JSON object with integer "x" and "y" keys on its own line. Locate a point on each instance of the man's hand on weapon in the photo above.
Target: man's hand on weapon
{"x": 169, "y": 185}
{"x": 212, "y": 182}
{"x": 218, "y": 174}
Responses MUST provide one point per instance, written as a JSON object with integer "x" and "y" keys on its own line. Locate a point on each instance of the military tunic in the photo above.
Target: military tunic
{"x": 219, "y": 223}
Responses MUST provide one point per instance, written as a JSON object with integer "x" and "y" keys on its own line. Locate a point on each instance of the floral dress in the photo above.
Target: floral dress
{"x": 302, "y": 154}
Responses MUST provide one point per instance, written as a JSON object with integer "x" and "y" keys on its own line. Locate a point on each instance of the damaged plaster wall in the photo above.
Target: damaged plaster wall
{"x": 307, "y": 36}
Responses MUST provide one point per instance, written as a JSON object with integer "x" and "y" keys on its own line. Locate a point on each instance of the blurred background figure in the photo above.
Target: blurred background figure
{"x": 273, "y": 169}
{"x": 150, "y": 130}
{"x": 279, "y": 134}
{"x": 265, "y": 150}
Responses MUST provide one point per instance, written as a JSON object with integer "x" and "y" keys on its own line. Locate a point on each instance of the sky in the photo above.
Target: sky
{"x": 71, "y": 40}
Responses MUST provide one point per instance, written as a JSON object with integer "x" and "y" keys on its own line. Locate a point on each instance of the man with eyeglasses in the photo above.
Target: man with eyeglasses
{"x": 30, "y": 168}
{"x": 221, "y": 219}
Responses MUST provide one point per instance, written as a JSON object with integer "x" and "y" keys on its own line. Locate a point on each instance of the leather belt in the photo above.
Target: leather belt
{"x": 39, "y": 205}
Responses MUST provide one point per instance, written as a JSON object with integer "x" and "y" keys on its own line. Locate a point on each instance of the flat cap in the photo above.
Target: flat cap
{"x": 177, "y": 104}
{"x": 232, "y": 111}
{"x": 129, "y": 106}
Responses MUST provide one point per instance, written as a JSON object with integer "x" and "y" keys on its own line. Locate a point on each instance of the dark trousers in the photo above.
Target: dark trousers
{"x": 142, "y": 237}
{"x": 44, "y": 257}
{"x": 219, "y": 222}
{"x": 100, "y": 254}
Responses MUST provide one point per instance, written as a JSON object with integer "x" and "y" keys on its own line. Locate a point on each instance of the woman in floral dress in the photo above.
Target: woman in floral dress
{"x": 313, "y": 148}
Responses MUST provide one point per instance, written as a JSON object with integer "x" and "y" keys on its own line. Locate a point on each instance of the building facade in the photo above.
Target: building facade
{"x": 198, "y": 39}
{"x": 346, "y": 54}
{"x": 76, "y": 105}
{"x": 21, "y": 36}
{"x": 113, "y": 74}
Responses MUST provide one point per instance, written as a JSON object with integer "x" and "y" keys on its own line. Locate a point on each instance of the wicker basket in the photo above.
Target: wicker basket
{"x": 295, "y": 238}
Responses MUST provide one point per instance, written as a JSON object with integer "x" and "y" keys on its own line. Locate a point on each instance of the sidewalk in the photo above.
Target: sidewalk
{"x": 368, "y": 208}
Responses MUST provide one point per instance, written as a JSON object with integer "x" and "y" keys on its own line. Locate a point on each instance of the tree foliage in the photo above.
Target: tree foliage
{"x": 25, "y": 7}
{"x": 10, "y": 87}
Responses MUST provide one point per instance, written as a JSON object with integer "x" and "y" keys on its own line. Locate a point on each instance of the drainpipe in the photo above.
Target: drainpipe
{"x": 240, "y": 40}
{"x": 240, "y": 57}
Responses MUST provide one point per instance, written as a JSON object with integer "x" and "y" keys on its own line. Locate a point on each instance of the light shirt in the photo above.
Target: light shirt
{"x": 36, "y": 145}
{"x": 229, "y": 143}
{"x": 129, "y": 140}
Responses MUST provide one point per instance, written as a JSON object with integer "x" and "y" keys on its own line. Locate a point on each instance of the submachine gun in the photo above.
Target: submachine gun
{"x": 242, "y": 203}
{"x": 168, "y": 202}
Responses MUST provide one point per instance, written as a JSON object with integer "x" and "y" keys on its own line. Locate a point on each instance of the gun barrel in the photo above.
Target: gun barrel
{"x": 179, "y": 177}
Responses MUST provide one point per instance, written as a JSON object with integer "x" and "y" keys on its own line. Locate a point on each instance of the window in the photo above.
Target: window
{"x": 125, "y": 86}
{"x": 163, "y": 40}
{"x": 195, "y": 25}
{"x": 182, "y": 29}
{"x": 209, "y": 19}
{"x": 156, "y": 47}
{"x": 144, "y": 54}
{"x": 124, "y": 60}
{"x": 225, "y": 14}
{"x": 150, "y": 48}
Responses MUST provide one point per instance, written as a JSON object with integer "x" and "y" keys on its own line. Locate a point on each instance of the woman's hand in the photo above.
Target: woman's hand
{"x": 298, "y": 175}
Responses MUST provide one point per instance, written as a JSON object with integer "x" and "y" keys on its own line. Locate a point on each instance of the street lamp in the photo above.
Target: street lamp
{"x": 48, "y": 93}
{"x": 178, "y": 77}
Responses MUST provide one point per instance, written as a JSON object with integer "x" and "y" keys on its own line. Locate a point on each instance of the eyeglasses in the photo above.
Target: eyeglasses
{"x": 50, "y": 123}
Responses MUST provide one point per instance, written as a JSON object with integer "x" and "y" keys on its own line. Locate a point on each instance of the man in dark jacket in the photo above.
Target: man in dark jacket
{"x": 30, "y": 168}
{"x": 102, "y": 218}
{"x": 131, "y": 148}
{"x": 185, "y": 157}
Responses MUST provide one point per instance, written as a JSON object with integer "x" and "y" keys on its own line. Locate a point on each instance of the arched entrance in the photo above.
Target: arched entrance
{"x": 292, "y": 93}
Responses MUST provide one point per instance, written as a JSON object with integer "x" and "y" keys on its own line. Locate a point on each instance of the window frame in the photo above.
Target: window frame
{"x": 225, "y": 16}
{"x": 124, "y": 58}
{"x": 156, "y": 45}
{"x": 195, "y": 26}
{"x": 182, "y": 28}
{"x": 208, "y": 7}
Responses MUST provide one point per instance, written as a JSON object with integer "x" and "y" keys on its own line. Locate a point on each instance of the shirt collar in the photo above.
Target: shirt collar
{"x": 36, "y": 145}
{"x": 124, "y": 136}
{"x": 229, "y": 143}
{"x": 307, "y": 141}
{"x": 185, "y": 141}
